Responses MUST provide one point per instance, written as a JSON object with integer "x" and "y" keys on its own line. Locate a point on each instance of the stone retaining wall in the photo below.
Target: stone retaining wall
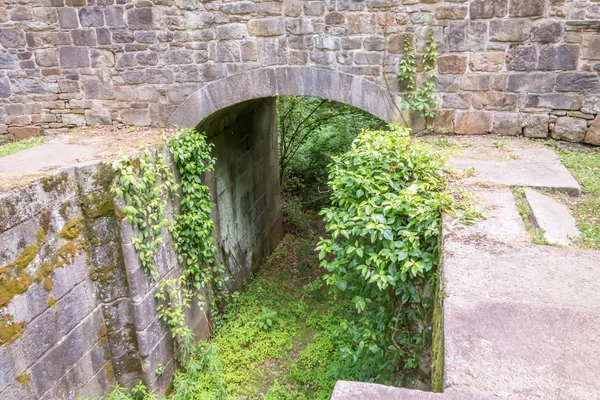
{"x": 77, "y": 312}
{"x": 506, "y": 66}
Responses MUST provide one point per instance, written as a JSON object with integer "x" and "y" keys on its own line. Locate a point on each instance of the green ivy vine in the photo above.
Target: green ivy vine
{"x": 146, "y": 184}
{"x": 419, "y": 97}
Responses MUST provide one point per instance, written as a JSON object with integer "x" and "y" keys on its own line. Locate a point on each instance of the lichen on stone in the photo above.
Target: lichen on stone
{"x": 24, "y": 379}
{"x": 65, "y": 255}
{"x": 45, "y": 220}
{"x": 9, "y": 329}
{"x": 41, "y": 237}
{"x": 56, "y": 183}
{"x": 48, "y": 284}
{"x": 51, "y": 302}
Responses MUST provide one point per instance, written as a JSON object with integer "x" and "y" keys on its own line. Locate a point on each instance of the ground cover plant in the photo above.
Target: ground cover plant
{"x": 15, "y": 147}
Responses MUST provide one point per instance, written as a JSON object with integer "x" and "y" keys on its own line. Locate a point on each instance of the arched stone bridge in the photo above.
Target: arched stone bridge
{"x": 506, "y": 66}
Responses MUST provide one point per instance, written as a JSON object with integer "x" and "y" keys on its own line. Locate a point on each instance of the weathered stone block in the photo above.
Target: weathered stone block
{"x": 452, "y": 64}
{"x": 91, "y": 16}
{"x": 593, "y": 134}
{"x": 577, "y": 81}
{"x": 24, "y": 132}
{"x": 114, "y": 16}
{"x": 522, "y": 58}
{"x": 457, "y": 100}
{"x": 454, "y": 11}
{"x": 140, "y": 18}
{"x": 558, "y": 57}
{"x": 73, "y": 57}
{"x": 98, "y": 117}
{"x": 560, "y": 101}
{"x": 239, "y": 7}
{"x": 547, "y": 31}
{"x": 509, "y": 124}
{"x": 84, "y": 37}
{"x": 362, "y": 23}
{"x": 162, "y": 75}
{"x": 491, "y": 61}
{"x": 527, "y": 8}
{"x": 536, "y": 82}
{"x": 535, "y": 125}
{"x": 232, "y": 31}
{"x": 266, "y": 27}
{"x": 488, "y": 8}
{"x": 93, "y": 87}
{"x": 335, "y": 18}
{"x": 67, "y": 18}
{"x": 11, "y": 38}
{"x": 46, "y": 57}
{"x": 570, "y": 129}
{"x": 474, "y": 122}
{"x": 467, "y": 36}
{"x": 272, "y": 51}
{"x": 178, "y": 56}
{"x": 495, "y": 101}
{"x": 591, "y": 47}
{"x": 475, "y": 82}
{"x": 509, "y": 30}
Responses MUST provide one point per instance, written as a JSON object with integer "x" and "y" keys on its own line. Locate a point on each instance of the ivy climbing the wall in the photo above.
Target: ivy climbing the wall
{"x": 418, "y": 93}
{"x": 146, "y": 184}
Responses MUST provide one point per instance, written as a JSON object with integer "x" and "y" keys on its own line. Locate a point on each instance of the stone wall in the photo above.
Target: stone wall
{"x": 77, "y": 312}
{"x": 506, "y": 66}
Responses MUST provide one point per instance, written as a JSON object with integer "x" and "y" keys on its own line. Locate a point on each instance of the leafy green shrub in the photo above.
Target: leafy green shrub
{"x": 266, "y": 318}
{"x": 385, "y": 219}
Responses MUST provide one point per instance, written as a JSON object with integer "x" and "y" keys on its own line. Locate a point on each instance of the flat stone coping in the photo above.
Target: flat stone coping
{"x": 553, "y": 217}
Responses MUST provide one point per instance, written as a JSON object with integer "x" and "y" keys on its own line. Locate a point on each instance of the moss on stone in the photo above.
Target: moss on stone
{"x": 71, "y": 230}
{"x": 56, "y": 183}
{"x": 48, "y": 284}
{"x": 45, "y": 220}
{"x": 65, "y": 255}
{"x": 110, "y": 372}
{"x": 10, "y": 330}
{"x": 102, "y": 275}
{"x": 102, "y": 338}
{"x": 51, "y": 302}
{"x": 63, "y": 210}
{"x": 41, "y": 237}
{"x": 24, "y": 379}
{"x": 14, "y": 280}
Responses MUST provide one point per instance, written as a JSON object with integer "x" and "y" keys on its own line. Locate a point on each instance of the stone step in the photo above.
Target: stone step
{"x": 553, "y": 217}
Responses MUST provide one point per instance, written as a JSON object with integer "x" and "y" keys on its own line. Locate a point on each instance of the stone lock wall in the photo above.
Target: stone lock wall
{"x": 506, "y": 66}
{"x": 77, "y": 312}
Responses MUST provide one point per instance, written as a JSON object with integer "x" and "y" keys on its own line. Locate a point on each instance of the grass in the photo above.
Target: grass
{"x": 584, "y": 165}
{"x": 15, "y": 147}
{"x": 536, "y": 234}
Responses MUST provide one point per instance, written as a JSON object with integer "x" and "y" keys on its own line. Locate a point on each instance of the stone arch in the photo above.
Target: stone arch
{"x": 328, "y": 84}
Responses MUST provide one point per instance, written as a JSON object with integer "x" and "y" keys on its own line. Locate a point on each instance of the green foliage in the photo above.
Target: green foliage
{"x": 145, "y": 185}
{"x": 584, "y": 164}
{"x": 15, "y": 147}
{"x": 535, "y": 233}
{"x": 419, "y": 95}
{"x": 266, "y": 318}
{"x": 388, "y": 195}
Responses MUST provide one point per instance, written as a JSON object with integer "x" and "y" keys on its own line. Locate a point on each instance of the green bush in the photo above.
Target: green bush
{"x": 385, "y": 219}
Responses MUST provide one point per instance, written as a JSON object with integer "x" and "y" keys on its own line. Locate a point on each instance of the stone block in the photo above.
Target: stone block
{"x": 491, "y": 100}
{"x": 509, "y": 30}
{"x": 239, "y": 7}
{"x": 24, "y": 132}
{"x": 569, "y": 129}
{"x": 7, "y": 61}
{"x": 114, "y": 16}
{"x": 537, "y": 82}
{"x": 452, "y": 64}
{"x": 527, "y": 8}
{"x": 522, "y": 57}
{"x": 91, "y": 16}
{"x": 272, "y": 51}
{"x": 147, "y": 58}
{"x": 94, "y": 87}
{"x": 67, "y": 18}
{"x": 547, "y": 31}
{"x": 591, "y": 47}
{"x": 46, "y": 57}
{"x": 558, "y": 57}
{"x": 577, "y": 82}
{"x": 136, "y": 117}
{"x": 451, "y": 11}
{"x": 232, "y": 31}
{"x": 292, "y": 8}
{"x": 560, "y": 101}
{"x": 335, "y": 18}
{"x": 98, "y": 116}
{"x": 475, "y": 82}
{"x": 466, "y": 36}
{"x": 140, "y": 18}
{"x": 457, "y": 100}
{"x": 102, "y": 58}
{"x": 84, "y": 37}
{"x": 474, "y": 122}
{"x": 11, "y": 38}
{"x": 491, "y": 61}
{"x": 73, "y": 57}
{"x": 535, "y": 125}
{"x": 507, "y": 123}
{"x": 444, "y": 121}
{"x": 593, "y": 134}
{"x": 161, "y": 75}
{"x": 71, "y": 120}
{"x": 178, "y": 56}
{"x": 266, "y": 27}
{"x": 362, "y": 23}
{"x": 488, "y": 8}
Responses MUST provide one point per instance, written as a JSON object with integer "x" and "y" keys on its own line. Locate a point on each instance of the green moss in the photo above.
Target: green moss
{"x": 71, "y": 230}
{"x": 45, "y": 220}
{"x": 48, "y": 284}
{"x": 102, "y": 275}
{"x": 63, "y": 209}
{"x": 102, "y": 338}
{"x": 41, "y": 237}
{"x": 10, "y": 330}
{"x": 56, "y": 183}
{"x": 24, "y": 379}
{"x": 14, "y": 280}
{"x": 110, "y": 372}
{"x": 65, "y": 255}
{"x": 51, "y": 302}
{"x": 437, "y": 347}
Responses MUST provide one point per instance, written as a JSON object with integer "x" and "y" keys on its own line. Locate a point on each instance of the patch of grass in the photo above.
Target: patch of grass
{"x": 536, "y": 234}
{"x": 584, "y": 164}
{"x": 15, "y": 147}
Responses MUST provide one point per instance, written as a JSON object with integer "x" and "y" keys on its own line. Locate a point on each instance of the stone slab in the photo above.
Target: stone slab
{"x": 533, "y": 167}
{"x": 553, "y": 217}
